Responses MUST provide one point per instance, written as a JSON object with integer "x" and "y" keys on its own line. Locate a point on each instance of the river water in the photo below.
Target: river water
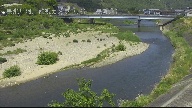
{"x": 126, "y": 78}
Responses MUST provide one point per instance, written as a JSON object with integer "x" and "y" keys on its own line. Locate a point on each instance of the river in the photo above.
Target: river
{"x": 126, "y": 78}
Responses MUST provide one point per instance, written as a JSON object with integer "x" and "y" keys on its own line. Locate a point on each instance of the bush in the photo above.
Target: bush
{"x": 75, "y": 41}
{"x": 84, "y": 97}
{"x": 59, "y": 52}
{"x": 88, "y": 40}
{"x": 12, "y": 72}
{"x": 2, "y": 60}
{"x": 47, "y": 58}
{"x": 17, "y": 51}
{"x": 120, "y": 47}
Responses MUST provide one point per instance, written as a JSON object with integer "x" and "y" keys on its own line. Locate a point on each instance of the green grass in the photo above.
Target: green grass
{"x": 12, "y": 72}
{"x": 129, "y": 22}
{"x": 127, "y": 36}
{"x": 100, "y": 56}
{"x": 2, "y": 60}
{"x": 105, "y": 53}
{"x": 17, "y": 51}
{"x": 47, "y": 58}
{"x": 120, "y": 47}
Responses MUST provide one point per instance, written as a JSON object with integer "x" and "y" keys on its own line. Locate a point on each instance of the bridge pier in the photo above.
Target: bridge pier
{"x": 91, "y": 21}
{"x": 161, "y": 27}
{"x": 139, "y": 21}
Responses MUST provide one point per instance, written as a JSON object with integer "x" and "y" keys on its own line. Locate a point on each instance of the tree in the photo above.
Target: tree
{"x": 84, "y": 97}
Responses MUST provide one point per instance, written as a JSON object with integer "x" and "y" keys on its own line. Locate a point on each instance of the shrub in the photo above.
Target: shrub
{"x": 12, "y": 72}
{"x": 47, "y": 58}
{"x": 60, "y": 53}
{"x": 75, "y": 41}
{"x": 12, "y": 44}
{"x": 2, "y": 60}
{"x": 17, "y": 51}
{"x": 88, "y": 40}
{"x": 120, "y": 47}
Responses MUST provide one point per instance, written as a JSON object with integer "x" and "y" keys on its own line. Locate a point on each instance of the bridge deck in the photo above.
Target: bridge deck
{"x": 120, "y": 16}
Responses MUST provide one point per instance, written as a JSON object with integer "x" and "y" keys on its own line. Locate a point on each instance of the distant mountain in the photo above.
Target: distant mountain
{"x": 132, "y": 5}
{"x": 124, "y": 6}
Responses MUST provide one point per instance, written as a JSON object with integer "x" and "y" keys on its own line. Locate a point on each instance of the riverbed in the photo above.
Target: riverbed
{"x": 126, "y": 78}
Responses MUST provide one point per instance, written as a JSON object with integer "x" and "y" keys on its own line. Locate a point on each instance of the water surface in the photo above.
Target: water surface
{"x": 126, "y": 78}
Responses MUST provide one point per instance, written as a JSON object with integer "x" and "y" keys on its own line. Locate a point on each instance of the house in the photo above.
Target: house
{"x": 98, "y": 12}
{"x": 62, "y": 9}
{"x": 106, "y": 11}
{"x": 168, "y": 12}
{"x": 188, "y": 13}
{"x": 179, "y": 11}
{"x": 152, "y": 11}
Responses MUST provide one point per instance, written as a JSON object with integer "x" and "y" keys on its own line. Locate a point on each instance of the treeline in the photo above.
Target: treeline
{"x": 132, "y": 6}
{"x": 124, "y": 6}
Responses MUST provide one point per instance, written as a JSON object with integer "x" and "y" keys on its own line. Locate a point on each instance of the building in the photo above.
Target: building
{"x": 106, "y": 11}
{"x": 62, "y": 9}
{"x": 188, "y": 13}
{"x": 152, "y": 11}
{"x": 179, "y": 12}
{"x": 98, "y": 11}
{"x": 168, "y": 12}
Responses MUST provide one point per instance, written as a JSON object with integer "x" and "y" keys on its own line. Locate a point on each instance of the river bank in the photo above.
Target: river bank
{"x": 72, "y": 53}
{"x": 167, "y": 92}
{"x": 180, "y": 73}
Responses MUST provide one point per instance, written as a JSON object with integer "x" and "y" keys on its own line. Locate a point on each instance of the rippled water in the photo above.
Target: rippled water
{"x": 126, "y": 78}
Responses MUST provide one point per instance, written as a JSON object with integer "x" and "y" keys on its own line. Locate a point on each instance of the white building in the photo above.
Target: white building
{"x": 106, "y": 11}
{"x": 98, "y": 12}
{"x": 188, "y": 13}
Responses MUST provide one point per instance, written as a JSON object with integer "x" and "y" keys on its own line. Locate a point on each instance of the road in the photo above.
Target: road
{"x": 180, "y": 95}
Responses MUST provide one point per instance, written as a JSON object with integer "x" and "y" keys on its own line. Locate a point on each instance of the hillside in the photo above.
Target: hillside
{"x": 132, "y": 5}
{"x": 122, "y": 5}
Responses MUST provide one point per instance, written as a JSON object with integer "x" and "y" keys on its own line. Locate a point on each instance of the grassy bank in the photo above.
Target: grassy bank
{"x": 180, "y": 67}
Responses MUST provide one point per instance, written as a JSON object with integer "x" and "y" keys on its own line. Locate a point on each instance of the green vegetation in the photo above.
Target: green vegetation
{"x": 2, "y": 60}
{"x": 47, "y": 58}
{"x": 15, "y": 27}
{"x": 182, "y": 62}
{"x": 17, "y": 51}
{"x": 88, "y": 40}
{"x": 12, "y": 72}
{"x": 100, "y": 56}
{"x": 59, "y": 53}
{"x": 123, "y": 6}
{"x": 129, "y": 22}
{"x": 84, "y": 97}
{"x": 127, "y": 36}
{"x": 132, "y": 6}
{"x": 105, "y": 53}
{"x": 120, "y": 47}
{"x": 75, "y": 41}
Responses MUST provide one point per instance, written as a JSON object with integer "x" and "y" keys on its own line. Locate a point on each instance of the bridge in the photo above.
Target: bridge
{"x": 120, "y": 16}
{"x": 138, "y": 17}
